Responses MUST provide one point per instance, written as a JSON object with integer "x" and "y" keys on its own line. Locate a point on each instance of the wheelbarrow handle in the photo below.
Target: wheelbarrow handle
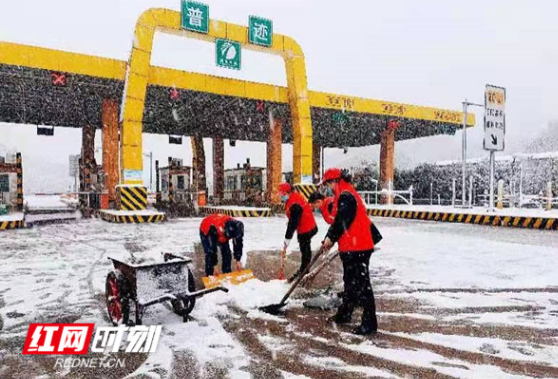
{"x": 201, "y": 293}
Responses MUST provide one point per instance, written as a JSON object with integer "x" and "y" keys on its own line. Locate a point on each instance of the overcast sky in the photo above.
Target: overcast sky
{"x": 429, "y": 52}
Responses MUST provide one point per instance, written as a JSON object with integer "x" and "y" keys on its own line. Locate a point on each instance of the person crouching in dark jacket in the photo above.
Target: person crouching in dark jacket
{"x": 216, "y": 231}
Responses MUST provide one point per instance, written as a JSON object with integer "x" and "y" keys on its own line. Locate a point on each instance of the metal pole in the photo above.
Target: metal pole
{"x": 492, "y": 163}
{"x": 520, "y": 184}
{"x": 151, "y": 171}
{"x": 453, "y": 192}
{"x": 471, "y": 191}
{"x": 464, "y": 154}
{"x": 323, "y": 159}
{"x": 430, "y": 193}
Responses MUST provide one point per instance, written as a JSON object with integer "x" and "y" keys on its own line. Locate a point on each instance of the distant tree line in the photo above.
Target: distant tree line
{"x": 533, "y": 173}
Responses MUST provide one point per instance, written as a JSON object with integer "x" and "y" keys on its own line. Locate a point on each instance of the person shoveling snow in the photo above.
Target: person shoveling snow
{"x": 301, "y": 220}
{"x": 216, "y": 231}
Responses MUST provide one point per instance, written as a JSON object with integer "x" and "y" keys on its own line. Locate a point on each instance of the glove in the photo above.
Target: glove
{"x": 286, "y": 244}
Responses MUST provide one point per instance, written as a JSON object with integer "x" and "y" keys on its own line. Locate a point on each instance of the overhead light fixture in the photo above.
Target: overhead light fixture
{"x": 175, "y": 140}
{"x": 45, "y": 130}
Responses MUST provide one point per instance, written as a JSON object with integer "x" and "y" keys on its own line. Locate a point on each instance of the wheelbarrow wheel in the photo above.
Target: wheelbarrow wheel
{"x": 117, "y": 293}
{"x": 184, "y": 306}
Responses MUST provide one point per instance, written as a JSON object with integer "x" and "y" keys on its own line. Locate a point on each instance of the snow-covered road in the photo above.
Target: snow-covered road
{"x": 455, "y": 301}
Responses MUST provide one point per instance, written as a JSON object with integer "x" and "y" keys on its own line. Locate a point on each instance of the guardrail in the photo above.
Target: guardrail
{"x": 366, "y": 195}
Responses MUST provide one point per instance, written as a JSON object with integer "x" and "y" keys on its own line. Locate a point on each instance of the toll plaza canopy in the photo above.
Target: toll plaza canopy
{"x": 50, "y": 87}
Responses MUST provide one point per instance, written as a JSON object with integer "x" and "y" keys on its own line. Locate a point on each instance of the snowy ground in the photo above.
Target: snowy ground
{"x": 238, "y": 208}
{"x": 454, "y": 301}
{"x": 476, "y": 210}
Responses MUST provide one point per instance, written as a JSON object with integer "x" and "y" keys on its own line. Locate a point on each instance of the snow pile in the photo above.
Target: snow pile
{"x": 36, "y": 202}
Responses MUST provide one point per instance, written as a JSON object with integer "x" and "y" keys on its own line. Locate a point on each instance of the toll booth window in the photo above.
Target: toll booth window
{"x": 230, "y": 183}
{"x": 180, "y": 183}
{"x": 164, "y": 185}
{"x": 4, "y": 183}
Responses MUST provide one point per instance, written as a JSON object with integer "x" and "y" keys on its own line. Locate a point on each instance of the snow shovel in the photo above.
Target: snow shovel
{"x": 234, "y": 278}
{"x": 275, "y": 309}
{"x": 326, "y": 261}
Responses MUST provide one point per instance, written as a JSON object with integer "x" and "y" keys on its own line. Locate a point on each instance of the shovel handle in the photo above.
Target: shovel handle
{"x": 312, "y": 275}
{"x": 302, "y": 274}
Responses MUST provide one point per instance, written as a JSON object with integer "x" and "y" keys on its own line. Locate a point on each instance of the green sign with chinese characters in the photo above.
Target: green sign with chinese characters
{"x": 227, "y": 54}
{"x": 340, "y": 118}
{"x": 195, "y": 16}
{"x": 260, "y": 31}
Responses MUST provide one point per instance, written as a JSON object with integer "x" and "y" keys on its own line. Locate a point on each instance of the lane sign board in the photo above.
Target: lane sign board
{"x": 260, "y": 31}
{"x": 195, "y": 16}
{"x": 227, "y": 53}
{"x": 494, "y": 118}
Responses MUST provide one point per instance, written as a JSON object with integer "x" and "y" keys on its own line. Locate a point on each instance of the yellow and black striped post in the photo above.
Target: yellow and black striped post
{"x": 541, "y": 223}
{"x": 9, "y": 225}
{"x": 263, "y": 212}
{"x": 134, "y": 219}
{"x": 19, "y": 172}
{"x": 305, "y": 189}
{"x": 132, "y": 197}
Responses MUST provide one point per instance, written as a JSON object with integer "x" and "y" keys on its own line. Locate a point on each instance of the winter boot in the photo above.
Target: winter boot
{"x": 339, "y": 319}
{"x": 343, "y": 315}
{"x": 365, "y": 330}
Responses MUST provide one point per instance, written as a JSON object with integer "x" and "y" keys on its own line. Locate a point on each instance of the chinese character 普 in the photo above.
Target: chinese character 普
{"x": 195, "y": 16}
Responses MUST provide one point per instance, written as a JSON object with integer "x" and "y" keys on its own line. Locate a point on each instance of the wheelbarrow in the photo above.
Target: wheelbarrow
{"x": 147, "y": 284}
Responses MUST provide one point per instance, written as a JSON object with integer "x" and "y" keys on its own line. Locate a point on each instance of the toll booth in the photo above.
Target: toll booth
{"x": 11, "y": 184}
{"x": 245, "y": 185}
{"x": 174, "y": 189}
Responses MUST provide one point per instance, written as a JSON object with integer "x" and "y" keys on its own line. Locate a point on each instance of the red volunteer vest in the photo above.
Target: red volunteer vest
{"x": 218, "y": 220}
{"x": 358, "y": 237}
{"x": 328, "y": 216}
{"x": 307, "y": 221}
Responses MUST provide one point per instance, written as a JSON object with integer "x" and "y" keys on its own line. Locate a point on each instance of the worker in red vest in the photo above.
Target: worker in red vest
{"x": 216, "y": 231}
{"x": 352, "y": 231}
{"x": 301, "y": 221}
{"x": 324, "y": 204}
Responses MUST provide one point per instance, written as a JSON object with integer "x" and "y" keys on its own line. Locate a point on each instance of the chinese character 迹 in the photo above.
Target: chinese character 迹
{"x": 260, "y": 31}
{"x": 195, "y": 16}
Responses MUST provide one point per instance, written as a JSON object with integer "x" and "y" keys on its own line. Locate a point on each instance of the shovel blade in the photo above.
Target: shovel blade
{"x": 234, "y": 278}
{"x": 274, "y": 309}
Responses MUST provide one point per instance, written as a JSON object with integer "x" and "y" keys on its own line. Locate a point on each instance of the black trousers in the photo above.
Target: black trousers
{"x": 305, "y": 244}
{"x": 358, "y": 289}
{"x": 211, "y": 259}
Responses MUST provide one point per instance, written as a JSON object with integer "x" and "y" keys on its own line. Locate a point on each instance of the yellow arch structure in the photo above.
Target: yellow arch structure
{"x": 137, "y": 76}
{"x": 101, "y": 67}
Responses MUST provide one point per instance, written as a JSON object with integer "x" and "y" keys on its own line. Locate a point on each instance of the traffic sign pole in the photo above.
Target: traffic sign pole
{"x": 492, "y": 164}
{"x": 464, "y": 153}
{"x": 494, "y": 128}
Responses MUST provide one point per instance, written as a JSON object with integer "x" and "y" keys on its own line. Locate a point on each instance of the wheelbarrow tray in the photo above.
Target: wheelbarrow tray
{"x": 152, "y": 283}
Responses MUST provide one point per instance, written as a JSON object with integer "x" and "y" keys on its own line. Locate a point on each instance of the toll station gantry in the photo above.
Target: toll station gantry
{"x": 42, "y": 86}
